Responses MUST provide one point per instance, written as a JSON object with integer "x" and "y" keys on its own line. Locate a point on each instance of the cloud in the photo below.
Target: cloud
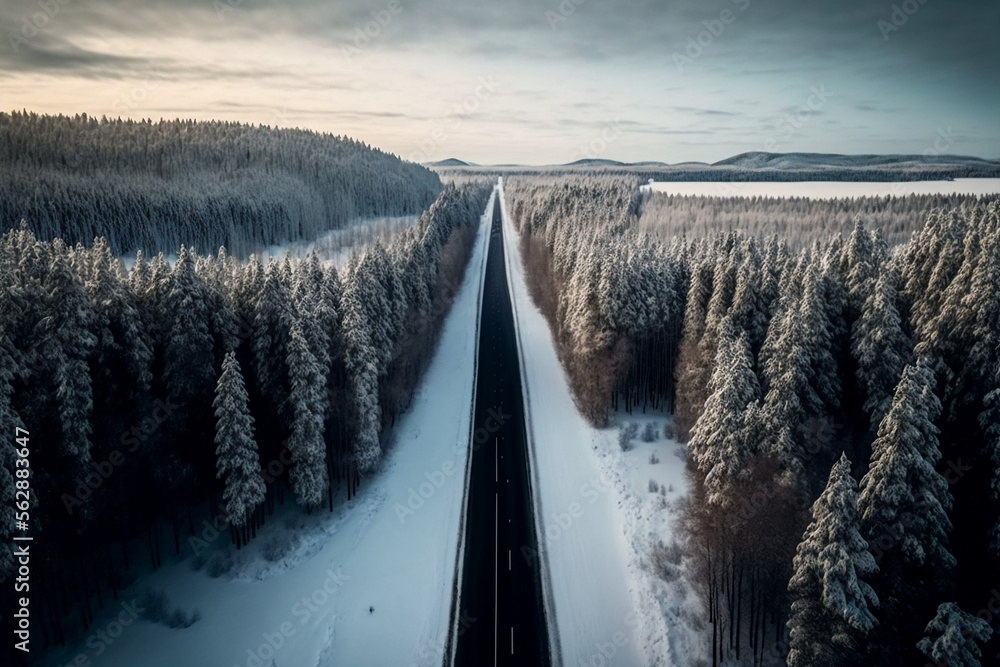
{"x": 706, "y": 112}
{"x": 562, "y": 77}
{"x": 45, "y": 54}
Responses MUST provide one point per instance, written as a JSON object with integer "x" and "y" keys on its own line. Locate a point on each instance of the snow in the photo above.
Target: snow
{"x": 299, "y": 595}
{"x": 337, "y": 245}
{"x": 595, "y": 515}
{"x": 827, "y": 189}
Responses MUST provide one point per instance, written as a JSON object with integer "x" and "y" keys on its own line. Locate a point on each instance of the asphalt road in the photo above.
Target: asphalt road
{"x": 501, "y": 612}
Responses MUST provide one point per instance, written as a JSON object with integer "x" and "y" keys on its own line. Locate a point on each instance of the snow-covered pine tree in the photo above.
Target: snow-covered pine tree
{"x": 984, "y": 295}
{"x": 830, "y": 600}
{"x": 775, "y": 260}
{"x": 247, "y": 288}
{"x": 750, "y": 308}
{"x": 782, "y": 412}
{"x": 122, "y": 340}
{"x": 188, "y": 358}
{"x": 65, "y": 344}
{"x": 237, "y": 458}
{"x": 718, "y": 445}
{"x": 952, "y": 637}
{"x": 370, "y": 276}
{"x": 904, "y": 501}
{"x": 719, "y": 304}
{"x": 966, "y": 331}
{"x": 578, "y": 310}
{"x": 307, "y": 403}
{"x": 361, "y": 361}
{"x": 818, "y": 337}
{"x": 880, "y": 347}
{"x": 933, "y": 258}
{"x": 782, "y": 308}
{"x": 269, "y": 342}
{"x": 397, "y": 309}
{"x": 316, "y": 315}
{"x": 693, "y": 372}
{"x": 862, "y": 259}
{"x": 217, "y": 276}
{"x": 989, "y": 420}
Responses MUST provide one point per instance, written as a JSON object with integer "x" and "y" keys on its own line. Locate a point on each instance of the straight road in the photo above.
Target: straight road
{"x": 501, "y": 612}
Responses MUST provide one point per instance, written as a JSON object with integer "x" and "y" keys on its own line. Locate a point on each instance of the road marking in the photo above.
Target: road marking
{"x": 508, "y": 560}
{"x": 512, "y": 640}
{"x": 496, "y": 459}
{"x": 496, "y": 539}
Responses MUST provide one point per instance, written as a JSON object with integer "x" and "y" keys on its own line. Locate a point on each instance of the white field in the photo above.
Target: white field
{"x": 827, "y": 189}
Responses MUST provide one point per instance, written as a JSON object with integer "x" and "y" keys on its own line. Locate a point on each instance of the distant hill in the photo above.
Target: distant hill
{"x": 155, "y": 186}
{"x": 760, "y": 166}
{"x": 761, "y": 160}
{"x": 450, "y": 162}
{"x": 595, "y": 162}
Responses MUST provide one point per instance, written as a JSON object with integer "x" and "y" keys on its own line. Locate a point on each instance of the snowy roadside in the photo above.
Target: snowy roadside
{"x": 596, "y": 515}
{"x": 369, "y": 584}
{"x": 650, "y": 479}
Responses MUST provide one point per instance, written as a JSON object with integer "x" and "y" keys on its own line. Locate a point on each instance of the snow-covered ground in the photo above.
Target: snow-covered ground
{"x": 596, "y": 516}
{"x": 828, "y": 189}
{"x": 337, "y": 245}
{"x": 369, "y": 584}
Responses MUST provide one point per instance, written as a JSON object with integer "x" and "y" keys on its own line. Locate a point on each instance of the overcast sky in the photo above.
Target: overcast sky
{"x": 531, "y": 82}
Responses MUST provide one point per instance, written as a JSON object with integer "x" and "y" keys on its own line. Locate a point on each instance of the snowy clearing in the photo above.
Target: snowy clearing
{"x": 369, "y": 584}
{"x": 596, "y": 519}
{"x": 827, "y": 189}
{"x": 337, "y": 245}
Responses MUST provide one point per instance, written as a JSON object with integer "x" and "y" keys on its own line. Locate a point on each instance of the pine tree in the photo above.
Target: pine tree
{"x": 66, "y": 345}
{"x": 819, "y": 339}
{"x": 188, "y": 349}
{"x": 307, "y": 403}
{"x": 952, "y": 636}
{"x": 783, "y": 413}
{"x": 361, "y": 361}
{"x": 118, "y": 326}
{"x": 830, "y": 599}
{"x": 693, "y": 371}
{"x": 750, "y": 309}
{"x": 989, "y": 419}
{"x": 880, "y": 346}
{"x": 983, "y": 299}
{"x": 903, "y": 498}
{"x": 934, "y": 257}
{"x": 862, "y": 259}
{"x": 718, "y": 445}
{"x": 269, "y": 341}
{"x": 237, "y": 458}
